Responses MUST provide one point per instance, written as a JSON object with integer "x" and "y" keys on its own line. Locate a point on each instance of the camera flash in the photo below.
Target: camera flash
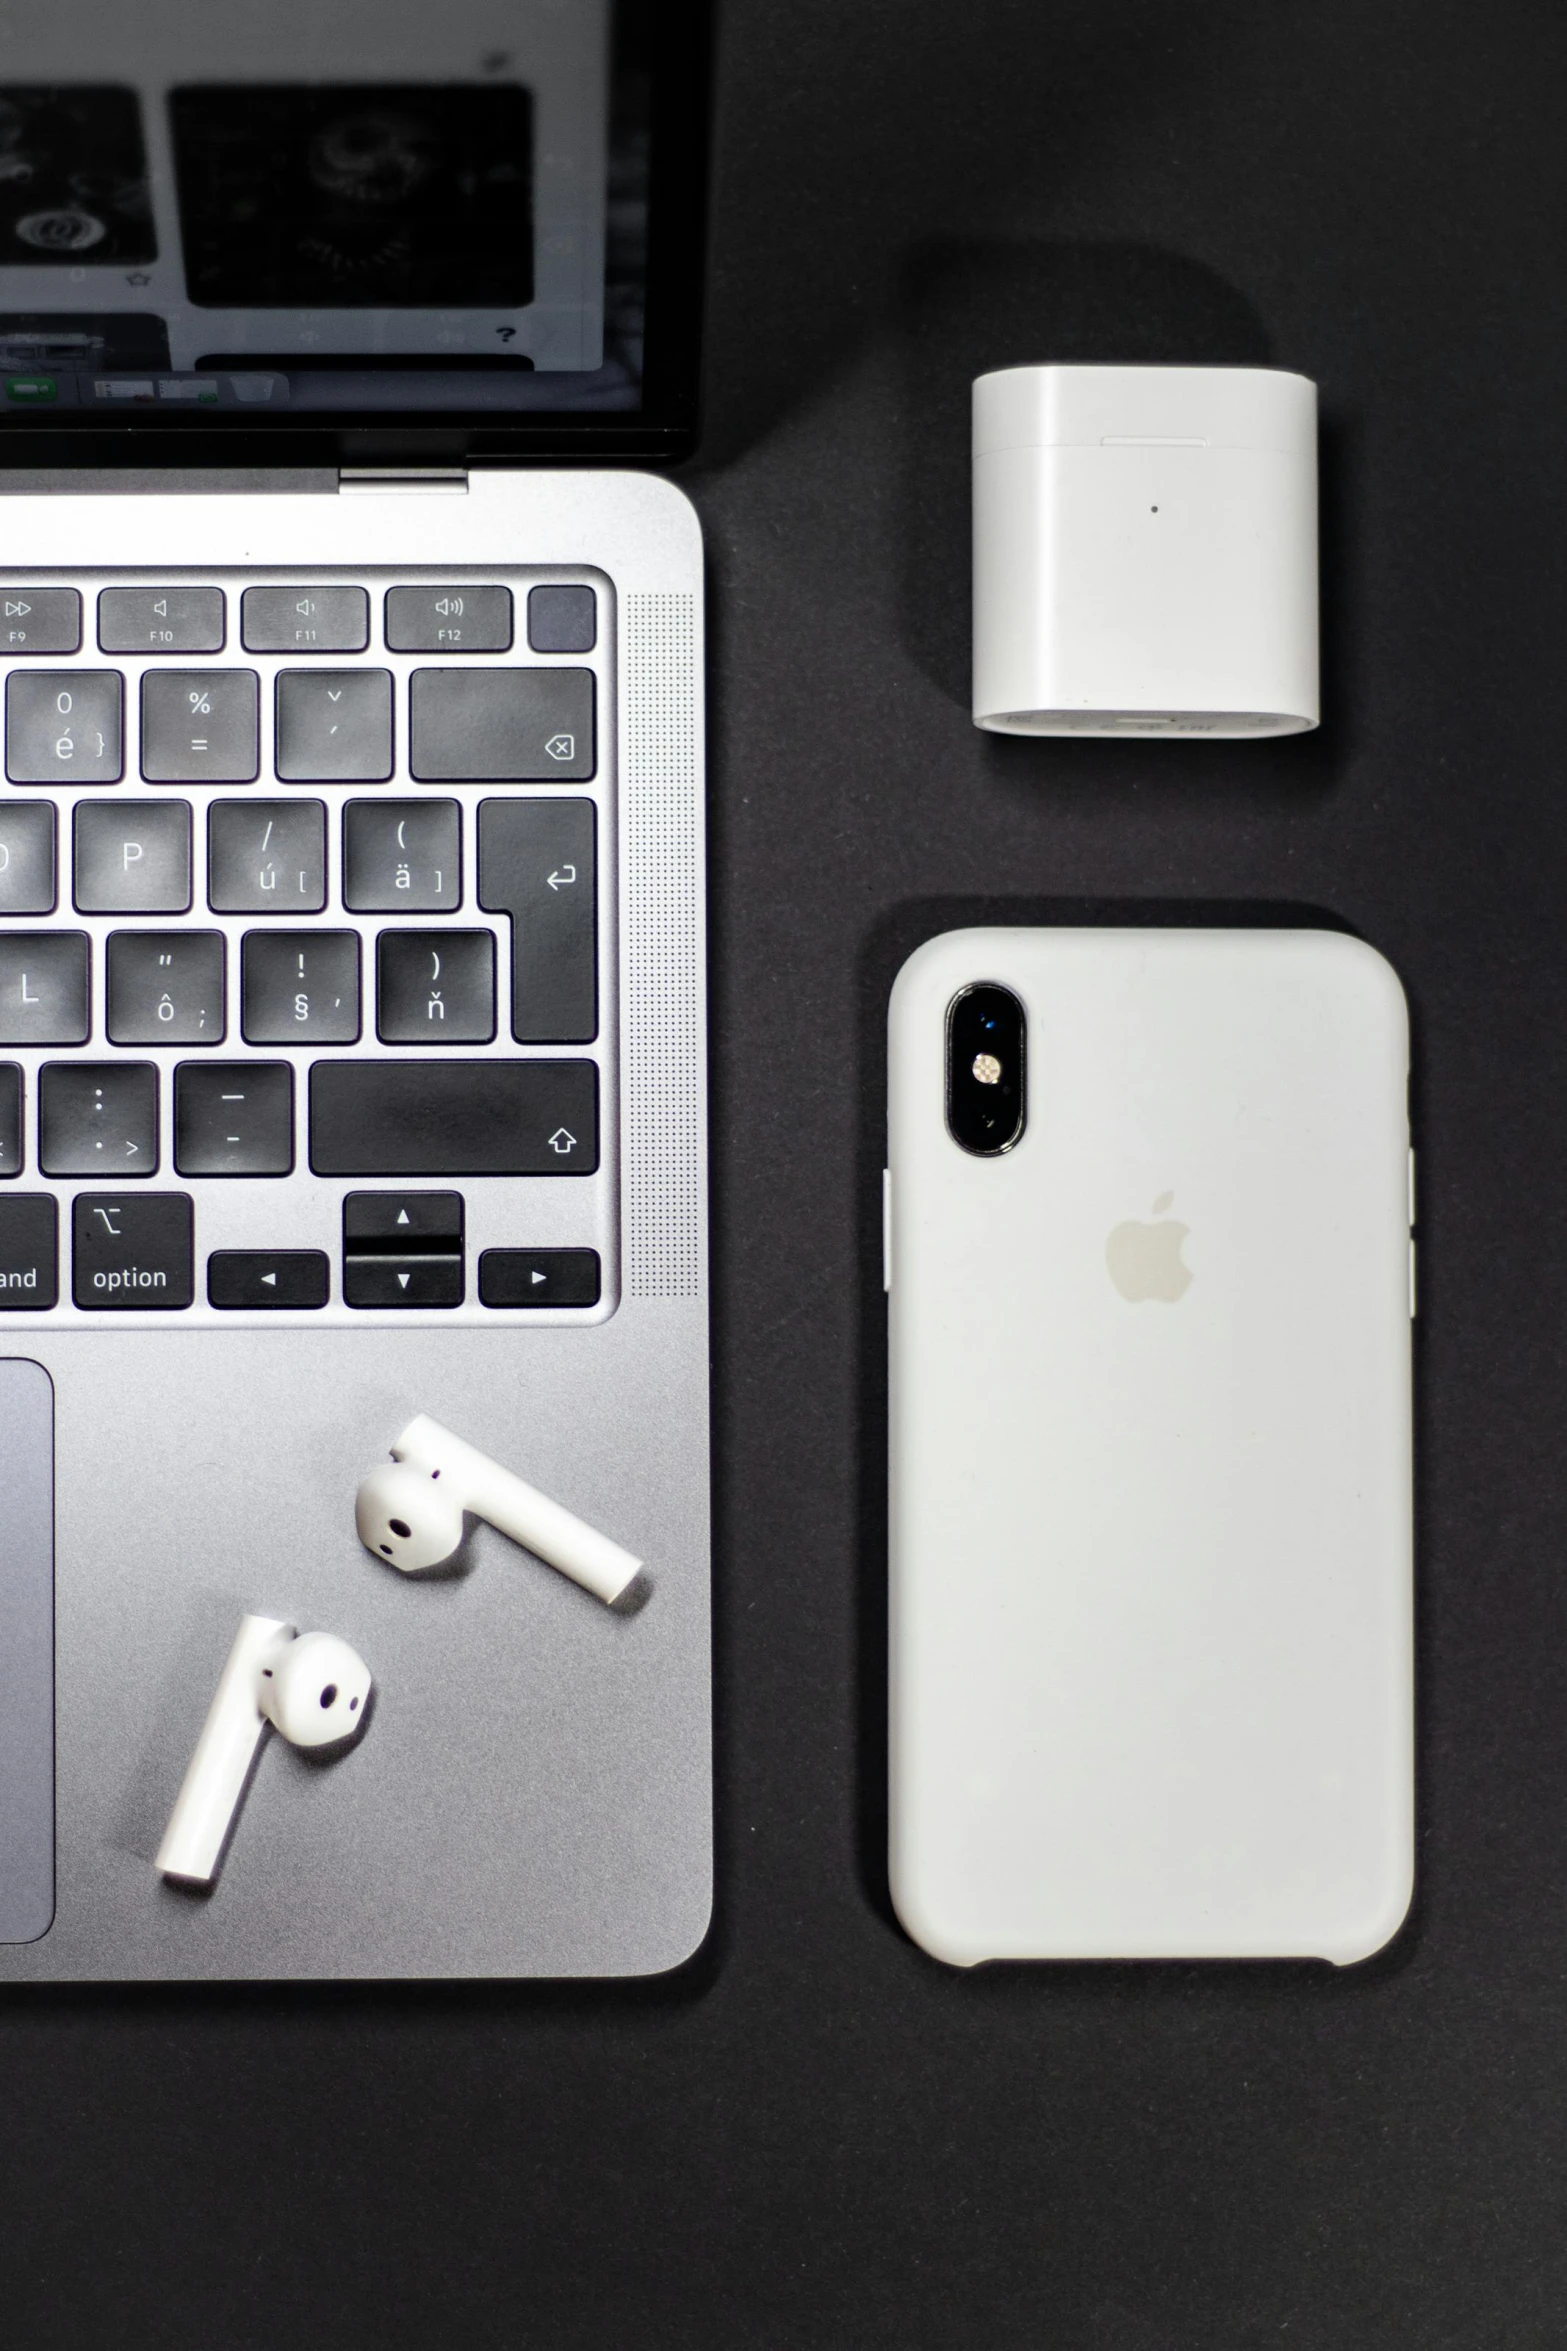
{"x": 987, "y": 1069}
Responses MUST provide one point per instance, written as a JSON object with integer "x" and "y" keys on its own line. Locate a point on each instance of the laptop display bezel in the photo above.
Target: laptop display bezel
{"x": 670, "y": 41}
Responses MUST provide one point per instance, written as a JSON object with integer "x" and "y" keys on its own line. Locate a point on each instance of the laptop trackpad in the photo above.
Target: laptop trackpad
{"x": 26, "y": 1652}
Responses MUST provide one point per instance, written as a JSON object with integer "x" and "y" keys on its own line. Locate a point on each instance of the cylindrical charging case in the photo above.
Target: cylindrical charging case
{"x": 1145, "y": 551}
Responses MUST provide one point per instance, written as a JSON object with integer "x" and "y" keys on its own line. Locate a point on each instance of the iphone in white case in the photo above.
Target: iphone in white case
{"x": 1150, "y": 1266}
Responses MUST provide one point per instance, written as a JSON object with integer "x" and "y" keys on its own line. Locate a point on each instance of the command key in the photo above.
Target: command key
{"x": 29, "y": 1252}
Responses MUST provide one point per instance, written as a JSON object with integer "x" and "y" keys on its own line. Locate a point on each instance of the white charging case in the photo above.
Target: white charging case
{"x": 1145, "y": 551}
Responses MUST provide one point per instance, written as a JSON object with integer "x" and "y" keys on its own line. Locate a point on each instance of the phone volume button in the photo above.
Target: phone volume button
{"x": 1411, "y": 1281}
{"x": 886, "y": 1228}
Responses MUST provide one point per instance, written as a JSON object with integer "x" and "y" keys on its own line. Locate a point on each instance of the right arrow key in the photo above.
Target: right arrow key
{"x": 539, "y": 1277}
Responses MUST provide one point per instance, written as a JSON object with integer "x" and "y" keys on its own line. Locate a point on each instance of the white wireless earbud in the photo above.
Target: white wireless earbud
{"x": 309, "y": 1686}
{"x": 411, "y": 1512}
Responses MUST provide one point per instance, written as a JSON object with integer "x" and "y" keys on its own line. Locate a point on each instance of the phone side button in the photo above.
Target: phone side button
{"x": 1411, "y": 1191}
{"x": 886, "y": 1228}
{"x": 1411, "y": 1281}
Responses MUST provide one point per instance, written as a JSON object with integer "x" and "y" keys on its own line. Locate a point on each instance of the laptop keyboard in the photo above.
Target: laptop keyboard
{"x": 305, "y": 967}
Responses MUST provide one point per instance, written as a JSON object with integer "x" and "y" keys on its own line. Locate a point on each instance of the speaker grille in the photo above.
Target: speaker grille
{"x": 663, "y": 1146}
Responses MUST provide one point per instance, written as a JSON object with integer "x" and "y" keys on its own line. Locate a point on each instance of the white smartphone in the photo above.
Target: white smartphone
{"x": 1150, "y": 1261}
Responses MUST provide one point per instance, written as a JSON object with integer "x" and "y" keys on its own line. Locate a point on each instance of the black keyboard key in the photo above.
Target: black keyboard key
{"x": 300, "y": 987}
{"x": 40, "y": 620}
{"x": 536, "y": 863}
{"x": 132, "y": 856}
{"x": 460, "y": 619}
{"x": 10, "y": 1119}
{"x": 403, "y": 1281}
{"x": 29, "y": 1253}
{"x": 334, "y": 726}
{"x": 43, "y": 988}
{"x": 161, "y": 620}
{"x": 98, "y": 1118}
{"x": 453, "y": 1118}
{"x": 305, "y": 620}
{"x": 27, "y": 857}
{"x": 64, "y": 726}
{"x": 402, "y": 1223}
{"x": 132, "y": 1254}
{"x": 266, "y": 856}
{"x": 562, "y": 620}
{"x": 402, "y": 856}
{"x": 435, "y": 987}
{"x": 164, "y": 988}
{"x": 242, "y": 1280}
{"x": 200, "y": 726}
{"x": 403, "y": 1249}
{"x": 539, "y": 1277}
{"x": 500, "y": 726}
{"x": 234, "y": 1118}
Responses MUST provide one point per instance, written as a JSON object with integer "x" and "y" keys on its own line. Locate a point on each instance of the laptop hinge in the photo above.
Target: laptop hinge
{"x": 445, "y": 478}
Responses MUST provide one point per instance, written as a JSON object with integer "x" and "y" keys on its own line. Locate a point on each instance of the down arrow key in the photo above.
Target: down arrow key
{"x": 406, "y": 1283}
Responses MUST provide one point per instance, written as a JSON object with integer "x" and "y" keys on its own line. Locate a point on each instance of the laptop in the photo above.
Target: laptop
{"x": 352, "y": 1033}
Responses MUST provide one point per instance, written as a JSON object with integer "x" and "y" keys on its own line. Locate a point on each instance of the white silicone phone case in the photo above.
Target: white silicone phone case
{"x": 1151, "y": 1589}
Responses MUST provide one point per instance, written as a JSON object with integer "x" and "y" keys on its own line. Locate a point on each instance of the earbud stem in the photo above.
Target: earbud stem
{"x": 530, "y": 1518}
{"x": 215, "y": 1781}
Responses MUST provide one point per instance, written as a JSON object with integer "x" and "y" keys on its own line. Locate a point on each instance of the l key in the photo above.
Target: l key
{"x": 536, "y": 863}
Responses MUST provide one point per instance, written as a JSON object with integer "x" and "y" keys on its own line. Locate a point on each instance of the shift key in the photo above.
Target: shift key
{"x": 454, "y": 1118}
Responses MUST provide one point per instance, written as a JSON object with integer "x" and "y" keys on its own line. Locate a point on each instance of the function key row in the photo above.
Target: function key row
{"x": 457, "y": 618}
{"x": 236, "y": 1118}
{"x": 137, "y": 1252}
{"x": 66, "y": 727}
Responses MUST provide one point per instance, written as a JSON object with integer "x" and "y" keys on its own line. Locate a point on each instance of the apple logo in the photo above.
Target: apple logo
{"x": 1145, "y": 1260}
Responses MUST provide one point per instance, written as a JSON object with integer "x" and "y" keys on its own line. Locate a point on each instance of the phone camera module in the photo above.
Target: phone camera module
{"x": 986, "y": 1099}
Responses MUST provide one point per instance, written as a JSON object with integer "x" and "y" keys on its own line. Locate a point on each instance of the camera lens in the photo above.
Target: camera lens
{"x": 986, "y": 1102}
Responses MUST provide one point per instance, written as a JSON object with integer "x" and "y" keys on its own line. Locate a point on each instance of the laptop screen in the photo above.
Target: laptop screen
{"x": 428, "y": 228}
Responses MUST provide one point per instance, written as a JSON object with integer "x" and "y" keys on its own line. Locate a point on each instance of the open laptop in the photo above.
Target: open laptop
{"x": 352, "y": 1034}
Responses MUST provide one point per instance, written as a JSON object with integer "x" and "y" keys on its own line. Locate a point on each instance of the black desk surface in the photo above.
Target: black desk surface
{"x": 816, "y": 2137}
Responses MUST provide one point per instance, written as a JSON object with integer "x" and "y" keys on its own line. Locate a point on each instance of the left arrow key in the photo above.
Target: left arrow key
{"x": 269, "y": 1280}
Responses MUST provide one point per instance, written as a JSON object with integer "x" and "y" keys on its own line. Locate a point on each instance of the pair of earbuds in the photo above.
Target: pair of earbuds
{"x": 312, "y": 1688}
